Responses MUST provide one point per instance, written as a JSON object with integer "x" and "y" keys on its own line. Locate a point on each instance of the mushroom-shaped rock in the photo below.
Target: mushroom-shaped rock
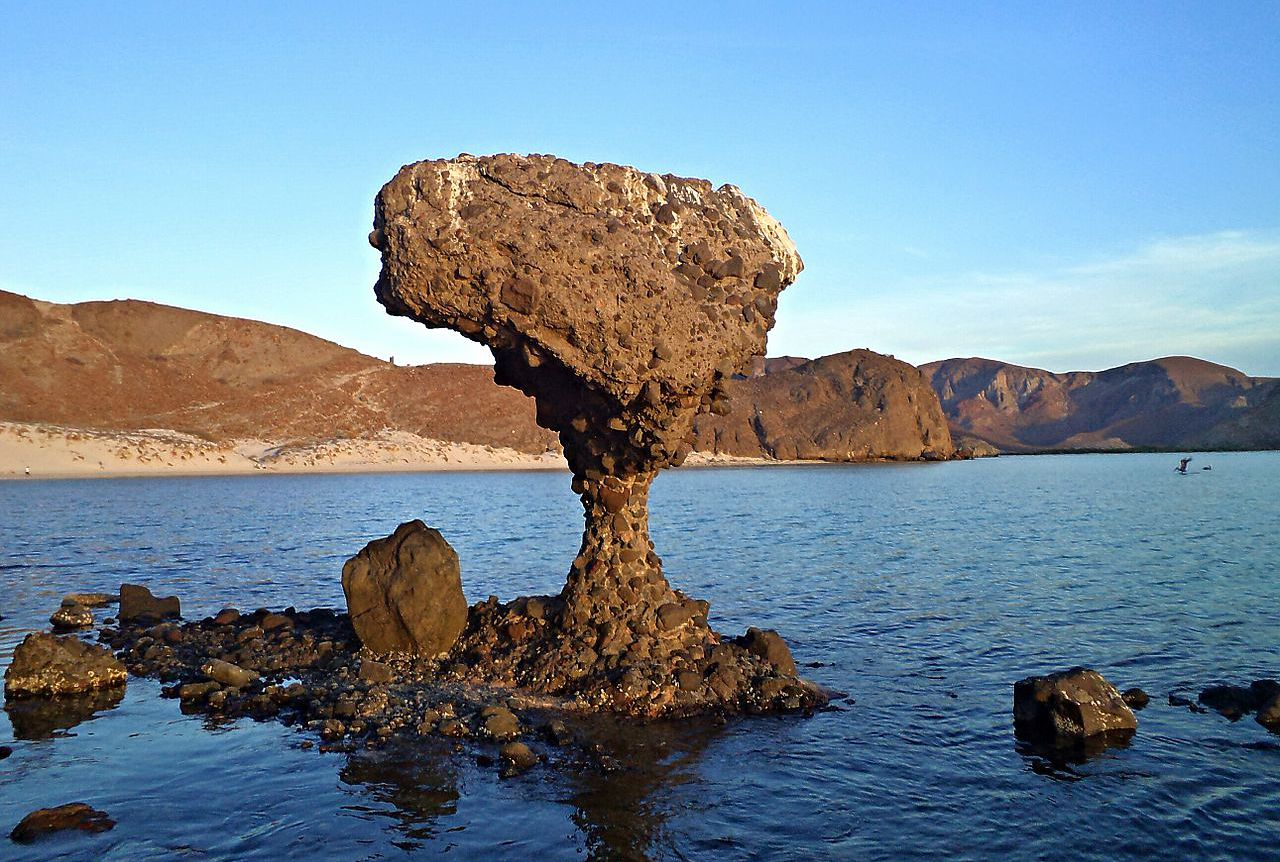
{"x": 621, "y": 301}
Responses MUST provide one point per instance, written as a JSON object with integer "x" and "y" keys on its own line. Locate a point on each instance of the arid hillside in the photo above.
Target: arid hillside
{"x": 129, "y": 365}
{"x": 1177, "y": 402}
{"x": 851, "y": 406}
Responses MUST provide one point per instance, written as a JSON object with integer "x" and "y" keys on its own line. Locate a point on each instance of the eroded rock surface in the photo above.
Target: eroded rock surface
{"x": 622, "y": 302}
{"x": 1070, "y": 705}
{"x": 46, "y": 665}
{"x": 404, "y": 592}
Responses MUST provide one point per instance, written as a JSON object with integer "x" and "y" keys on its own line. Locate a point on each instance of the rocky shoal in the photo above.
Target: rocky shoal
{"x": 308, "y": 669}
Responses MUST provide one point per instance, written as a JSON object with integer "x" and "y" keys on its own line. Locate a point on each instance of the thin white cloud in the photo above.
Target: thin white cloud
{"x": 1216, "y": 296}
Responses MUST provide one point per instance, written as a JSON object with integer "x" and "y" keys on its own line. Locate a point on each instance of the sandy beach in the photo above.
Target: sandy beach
{"x": 43, "y": 451}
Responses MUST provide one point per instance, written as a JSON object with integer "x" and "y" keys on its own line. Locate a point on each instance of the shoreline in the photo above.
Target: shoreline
{"x": 44, "y": 451}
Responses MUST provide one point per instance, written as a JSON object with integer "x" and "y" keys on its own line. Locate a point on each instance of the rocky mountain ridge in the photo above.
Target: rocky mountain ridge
{"x": 1172, "y": 403}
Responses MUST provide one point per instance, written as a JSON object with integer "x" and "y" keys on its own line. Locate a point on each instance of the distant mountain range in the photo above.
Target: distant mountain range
{"x": 128, "y": 365}
{"x": 1173, "y": 403}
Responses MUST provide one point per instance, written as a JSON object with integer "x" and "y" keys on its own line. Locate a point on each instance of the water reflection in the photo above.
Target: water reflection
{"x": 45, "y": 718}
{"x": 1057, "y": 758}
{"x": 417, "y": 784}
{"x": 622, "y": 797}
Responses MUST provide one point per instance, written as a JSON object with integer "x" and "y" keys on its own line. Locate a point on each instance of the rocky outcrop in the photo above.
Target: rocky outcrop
{"x": 1070, "y": 706}
{"x": 854, "y": 406}
{"x": 137, "y": 604}
{"x": 622, "y": 302}
{"x": 1173, "y": 403}
{"x": 46, "y": 665}
{"x": 404, "y": 592}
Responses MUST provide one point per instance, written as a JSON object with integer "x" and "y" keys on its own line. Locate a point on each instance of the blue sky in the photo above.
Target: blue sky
{"x": 1071, "y": 186}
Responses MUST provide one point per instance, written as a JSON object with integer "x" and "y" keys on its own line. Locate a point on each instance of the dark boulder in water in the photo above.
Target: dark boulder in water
{"x": 46, "y": 665}
{"x": 1070, "y": 705}
{"x": 404, "y": 592}
{"x": 1135, "y": 698}
{"x": 137, "y": 604}
{"x": 73, "y": 815}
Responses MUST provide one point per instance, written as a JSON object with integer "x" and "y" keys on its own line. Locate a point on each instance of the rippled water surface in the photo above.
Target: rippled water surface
{"x": 924, "y": 591}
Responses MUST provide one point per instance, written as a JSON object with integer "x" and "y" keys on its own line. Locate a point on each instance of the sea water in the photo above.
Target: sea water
{"x": 923, "y": 591}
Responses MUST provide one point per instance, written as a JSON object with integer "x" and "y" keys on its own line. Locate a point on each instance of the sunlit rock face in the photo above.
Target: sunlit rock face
{"x": 621, "y": 301}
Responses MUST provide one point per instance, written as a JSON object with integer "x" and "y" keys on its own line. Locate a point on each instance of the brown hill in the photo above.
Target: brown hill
{"x": 849, "y": 406}
{"x": 1177, "y": 402}
{"x": 128, "y": 365}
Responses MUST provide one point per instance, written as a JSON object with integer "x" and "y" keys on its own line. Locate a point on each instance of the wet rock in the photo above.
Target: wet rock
{"x": 71, "y": 617}
{"x": 376, "y": 672}
{"x": 228, "y": 674}
{"x": 516, "y": 758}
{"x": 226, "y": 617}
{"x": 91, "y": 600}
{"x": 1231, "y": 701}
{"x": 273, "y": 622}
{"x": 137, "y": 604}
{"x": 5, "y": 751}
{"x": 1269, "y": 713}
{"x": 73, "y": 815}
{"x": 770, "y": 646}
{"x": 46, "y": 665}
{"x": 197, "y": 691}
{"x": 404, "y": 592}
{"x": 500, "y": 723}
{"x": 1135, "y": 698}
{"x": 1070, "y": 705}
{"x": 557, "y": 732}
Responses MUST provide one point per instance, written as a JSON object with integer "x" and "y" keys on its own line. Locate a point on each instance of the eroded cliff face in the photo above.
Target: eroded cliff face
{"x": 853, "y": 406}
{"x": 621, "y": 301}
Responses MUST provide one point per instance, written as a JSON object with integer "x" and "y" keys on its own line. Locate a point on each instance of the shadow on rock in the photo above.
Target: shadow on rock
{"x": 45, "y": 718}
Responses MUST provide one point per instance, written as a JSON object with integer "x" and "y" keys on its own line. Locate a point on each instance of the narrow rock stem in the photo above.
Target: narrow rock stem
{"x": 616, "y": 585}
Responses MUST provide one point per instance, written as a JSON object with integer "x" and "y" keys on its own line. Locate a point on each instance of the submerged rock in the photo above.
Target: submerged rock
{"x": 621, "y": 302}
{"x": 137, "y": 604}
{"x": 73, "y": 815}
{"x": 1070, "y": 705}
{"x": 404, "y": 592}
{"x": 91, "y": 600}
{"x": 1236, "y": 701}
{"x": 46, "y": 665}
{"x": 1135, "y": 698}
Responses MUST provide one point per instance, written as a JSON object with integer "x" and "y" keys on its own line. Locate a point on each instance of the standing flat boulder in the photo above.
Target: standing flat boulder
{"x": 138, "y": 605}
{"x": 404, "y": 592}
{"x": 46, "y": 665}
{"x": 1070, "y": 705}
